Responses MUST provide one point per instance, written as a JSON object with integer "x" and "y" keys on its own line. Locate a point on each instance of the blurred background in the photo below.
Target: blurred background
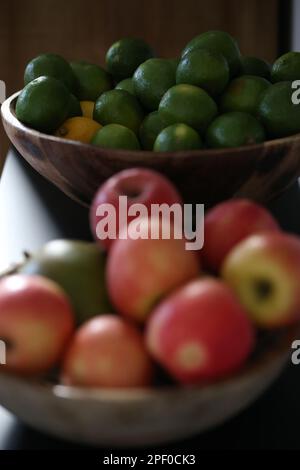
{"x": 80, "y": 29}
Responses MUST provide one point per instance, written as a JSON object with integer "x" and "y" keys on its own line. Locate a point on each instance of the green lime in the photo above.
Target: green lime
{"x": 127, "y": 85}
{"x": 151, "y": 126}
{"x": 189, "y": 105}
{"x": 234, "y": 130}
{"x": 115, "y": 136}
{"x": 125, "y": 55}
{"x": 43, "y": 104}
{"x": 244, "y": 94}
{"x": 286, "y": 68}
{"x": 207, "y": 69}
{"x": 50, "y": 65}
{"x": 218, "y": 41}
{"x": 118, "y": 107}
{"x": 177, "y": 137}
{"x": 255, "y": 66}
{"x": 74, "y": 107}
{"x": 278, "y": 113}
{"x": 151, "y": 80}
{"x": 92, "y": 80}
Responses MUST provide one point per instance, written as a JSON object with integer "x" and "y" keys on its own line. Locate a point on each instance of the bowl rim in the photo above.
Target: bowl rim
{"x": 8, "y": 115}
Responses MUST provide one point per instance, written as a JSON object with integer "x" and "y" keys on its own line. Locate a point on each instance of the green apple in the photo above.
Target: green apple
{"x": 79, "y": 268}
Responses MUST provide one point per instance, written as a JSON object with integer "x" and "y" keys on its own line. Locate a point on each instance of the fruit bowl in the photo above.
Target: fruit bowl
{"x": 140, "y": 417}
{"x": 260, "y": 172}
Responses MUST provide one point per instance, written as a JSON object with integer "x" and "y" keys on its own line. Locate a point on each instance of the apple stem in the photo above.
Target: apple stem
{"x": 13, "y": 269}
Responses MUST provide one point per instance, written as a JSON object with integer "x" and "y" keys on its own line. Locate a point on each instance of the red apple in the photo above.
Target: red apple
{"x": 264, "y": 271}
{"x": 200, "y": 332}
{"x": 106, "y": 351}
{"x": 227, "y": 224}
{"x": 141, "y": 186}
{"x": 36, "y": 322}
{"x": 142, "y": 271}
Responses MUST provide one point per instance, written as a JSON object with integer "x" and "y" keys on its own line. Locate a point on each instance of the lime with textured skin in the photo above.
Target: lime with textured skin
{"x": 177, "y": 137}
{"x": 124, "y": 56}
{"x": 127, "y": 85}
{"x": 74, "y": 107}
{"x": 234, "y": 130}
{"x": 115, "y": 136}
{"x": 92, "y": 80}
{"x": 43, "y": 104}
{"x": 286, "y": 68}
{"x": 255, "y": 66}
{"x": 50, "y": 65}
{"x": 277, "y": 112}
{"x": 118, "y": 107}
{"x": 206, "y": 69}
{"x": 189, "y": 105}
{"x": 151, "y": 126}
{"x": 221, "y": 42}
{"x": 244, "y": 94}
{"x": 151, "y": 80}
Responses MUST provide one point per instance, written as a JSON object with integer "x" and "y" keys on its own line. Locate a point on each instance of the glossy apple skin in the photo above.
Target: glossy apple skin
{"x": 141, "y": 272}
{"x": 141, "y": 186}
{"x": 200, "y": 333}
{"x": 264, "y": 271}
{"x": 107, "y": 352}
{"x": 36, "y": 323}
{"x": 229, "y": 223}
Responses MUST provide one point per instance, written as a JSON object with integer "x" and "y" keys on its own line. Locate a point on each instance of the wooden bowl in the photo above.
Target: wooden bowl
{"x": 260, "y": 172}
{"x": 131, "y": 418}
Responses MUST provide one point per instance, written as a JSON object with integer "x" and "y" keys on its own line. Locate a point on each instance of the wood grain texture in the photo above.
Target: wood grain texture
{"x": 260, "y": 172}
{"x": 85, "y": 29}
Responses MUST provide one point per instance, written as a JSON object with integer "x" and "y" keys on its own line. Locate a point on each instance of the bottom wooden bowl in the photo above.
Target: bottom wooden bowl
{"x": 130, "y": 418}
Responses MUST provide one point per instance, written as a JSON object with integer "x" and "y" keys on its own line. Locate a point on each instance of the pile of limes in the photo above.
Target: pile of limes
{"x": 211, "y": 97}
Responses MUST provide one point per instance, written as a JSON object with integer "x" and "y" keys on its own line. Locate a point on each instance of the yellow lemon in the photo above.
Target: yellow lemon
{"x": 78, "y": 128}
{"x": 87, "y": 108}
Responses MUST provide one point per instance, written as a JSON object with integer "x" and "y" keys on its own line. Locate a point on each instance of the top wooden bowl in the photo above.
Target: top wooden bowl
{"x": 259, "y": 172}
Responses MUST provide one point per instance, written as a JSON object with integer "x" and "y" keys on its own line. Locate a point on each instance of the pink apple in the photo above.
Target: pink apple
{"x": 140, "y": 272}
{"x": 200, "y": 332}
{"x": 264, "y": 271}
{"x": 141, "y": 186}
{"x": 107, "y": 351}
{"x": 227, "y": 224}
{"x": 36, "y": 323}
